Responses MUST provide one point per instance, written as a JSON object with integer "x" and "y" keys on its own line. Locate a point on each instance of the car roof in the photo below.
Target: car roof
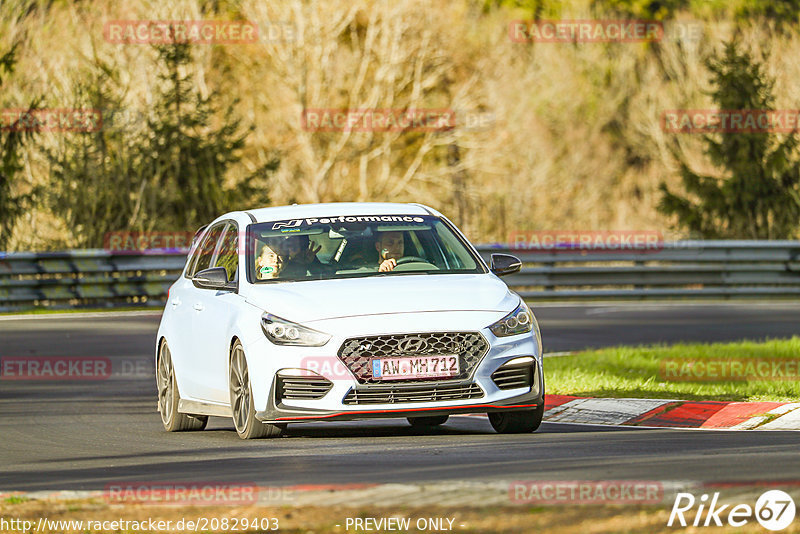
{"x": 332, "y": 209}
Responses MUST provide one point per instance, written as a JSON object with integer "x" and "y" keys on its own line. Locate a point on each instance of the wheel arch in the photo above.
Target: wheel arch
{"x": 234, "y": 339}
{"x": 162, "y": 340}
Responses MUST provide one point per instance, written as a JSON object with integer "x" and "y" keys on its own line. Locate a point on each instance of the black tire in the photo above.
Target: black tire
{"x": 244, "y": 412}
{"x": 428, "y": 421}
{"x": 169, "y": 397}
{"x": 518, "y": 422}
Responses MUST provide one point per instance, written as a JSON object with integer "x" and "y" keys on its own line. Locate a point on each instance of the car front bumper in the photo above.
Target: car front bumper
{"x": 427, "y": 397}
{"x": 281, "y": 413}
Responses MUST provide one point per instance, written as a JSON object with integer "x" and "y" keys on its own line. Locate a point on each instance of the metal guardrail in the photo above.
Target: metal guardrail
{"x": 680, "y": 269}
{"x": 96, "y": 278}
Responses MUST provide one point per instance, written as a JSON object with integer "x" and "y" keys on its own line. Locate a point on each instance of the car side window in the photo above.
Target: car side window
{"x": 228, "y": 255}
{"x": 193, "y": 252}
{"x": 455, "y": 255}
{"x": 190, "y": 263}
{"x": 205, "y": 251}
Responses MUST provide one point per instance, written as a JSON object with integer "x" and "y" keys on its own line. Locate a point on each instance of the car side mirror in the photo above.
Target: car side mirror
{"x": 213, "y": 278}
{"x": 503, "y": 264}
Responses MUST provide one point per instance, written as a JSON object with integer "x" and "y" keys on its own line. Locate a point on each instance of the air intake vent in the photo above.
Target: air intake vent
{"x": 513, "y": 376}
{"x": 303, "y": 387}
{"x": 427, "y": 393}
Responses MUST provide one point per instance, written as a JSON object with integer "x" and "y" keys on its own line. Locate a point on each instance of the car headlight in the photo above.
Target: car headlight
{"x": 518, "y": 321}
{"x": 283, "y": 332}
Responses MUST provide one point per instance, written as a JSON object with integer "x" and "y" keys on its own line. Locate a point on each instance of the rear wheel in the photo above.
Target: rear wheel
{"x": 519, "y": 422}
{"x": 432, "y": 420}
{"x": 168, "y": 397}
{"x": 244, "y": 413}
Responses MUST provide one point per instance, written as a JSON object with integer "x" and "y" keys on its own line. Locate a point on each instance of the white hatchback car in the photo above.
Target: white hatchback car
{"x": 344, "y": 311}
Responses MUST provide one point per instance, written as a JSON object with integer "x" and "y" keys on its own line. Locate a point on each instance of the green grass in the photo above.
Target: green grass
{"x": 636, "y": 372}
{"x": 15, "y": 499}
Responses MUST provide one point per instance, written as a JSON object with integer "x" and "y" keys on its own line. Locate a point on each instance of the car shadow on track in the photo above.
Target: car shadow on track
{"x": 391, "y": 428}
{"x": 370, "y": 429}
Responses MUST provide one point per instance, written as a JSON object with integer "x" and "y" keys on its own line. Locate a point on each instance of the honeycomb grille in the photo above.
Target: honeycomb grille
{"x": 357, "y": 353}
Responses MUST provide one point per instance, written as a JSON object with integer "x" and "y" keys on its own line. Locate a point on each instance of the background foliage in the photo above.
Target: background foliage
{"x": 550, "y": 135}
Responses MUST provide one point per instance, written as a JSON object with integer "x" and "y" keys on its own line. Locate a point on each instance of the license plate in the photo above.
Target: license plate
{"x": 443, "y": 366}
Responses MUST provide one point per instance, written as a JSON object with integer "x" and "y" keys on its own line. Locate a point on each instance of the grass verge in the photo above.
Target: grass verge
{"x": 49, "y": 311}
{"x": 321, "y": 519}
{"x": 683, "y": 371}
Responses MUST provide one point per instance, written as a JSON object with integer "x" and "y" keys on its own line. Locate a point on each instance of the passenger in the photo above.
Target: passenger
{"x": 269, "y": 263}
{"x": 299, "y": 257}
{"x": 390, "y": 246}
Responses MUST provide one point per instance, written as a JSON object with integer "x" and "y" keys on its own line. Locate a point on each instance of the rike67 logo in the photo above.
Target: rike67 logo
{"x": 774, "y": 510}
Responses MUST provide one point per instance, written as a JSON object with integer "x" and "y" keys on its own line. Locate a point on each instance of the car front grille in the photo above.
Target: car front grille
{"x": 303, "y": 388}
{"x": 405, "y": 394}
{"x": 513, "y": 376}
{"x": 357, "y": 353}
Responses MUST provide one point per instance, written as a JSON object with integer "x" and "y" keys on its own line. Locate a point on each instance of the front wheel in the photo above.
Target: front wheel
{"x": 168, "y": 397}
{"x": 244, "y": 412}
{"x": 518, "y": 422}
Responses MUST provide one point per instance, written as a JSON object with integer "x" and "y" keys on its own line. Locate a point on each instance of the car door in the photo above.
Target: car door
{"x": 179, "y": 319}
{"x": 184, "y": 299}
{"x": 214, "y": 313}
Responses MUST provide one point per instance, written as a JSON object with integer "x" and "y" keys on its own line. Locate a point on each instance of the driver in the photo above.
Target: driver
{"x": 390, "y": 246}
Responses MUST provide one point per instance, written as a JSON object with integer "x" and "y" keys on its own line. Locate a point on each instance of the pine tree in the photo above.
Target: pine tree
{"x": 96, "y": 175}
{"x": 12, "y": 138}
{"x": 166, "y": 172}
{"x": 757, "y": 195}
{"x": 188, "y": 156}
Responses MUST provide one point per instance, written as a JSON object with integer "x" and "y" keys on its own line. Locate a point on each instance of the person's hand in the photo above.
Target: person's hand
{"x": 387, "y": 265}
{"x": 307, "y": 256}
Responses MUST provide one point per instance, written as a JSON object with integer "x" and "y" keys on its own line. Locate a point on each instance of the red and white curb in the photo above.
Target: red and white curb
{"x": 673, "y": 413}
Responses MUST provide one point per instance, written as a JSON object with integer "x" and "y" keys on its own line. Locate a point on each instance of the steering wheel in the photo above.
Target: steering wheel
{"x": 409, "y": 259}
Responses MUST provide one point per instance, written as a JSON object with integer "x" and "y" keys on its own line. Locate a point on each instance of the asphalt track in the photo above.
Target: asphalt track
{"x": 88, "y": 434}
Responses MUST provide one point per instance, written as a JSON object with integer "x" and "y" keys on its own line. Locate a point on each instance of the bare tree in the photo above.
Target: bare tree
{"x": 338, "y": 55}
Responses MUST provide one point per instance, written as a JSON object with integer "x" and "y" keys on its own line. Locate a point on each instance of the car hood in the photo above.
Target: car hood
{"x": 329, "y": 299}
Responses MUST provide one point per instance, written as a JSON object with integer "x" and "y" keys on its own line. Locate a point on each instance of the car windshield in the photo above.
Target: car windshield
{"x": 356, "y": 246}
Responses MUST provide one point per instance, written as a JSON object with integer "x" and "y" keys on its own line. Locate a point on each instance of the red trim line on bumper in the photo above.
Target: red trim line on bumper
{"x": 406, "y": 410}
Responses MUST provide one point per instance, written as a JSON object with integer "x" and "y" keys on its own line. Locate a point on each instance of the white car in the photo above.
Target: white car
{"x": 344, "y": 311}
